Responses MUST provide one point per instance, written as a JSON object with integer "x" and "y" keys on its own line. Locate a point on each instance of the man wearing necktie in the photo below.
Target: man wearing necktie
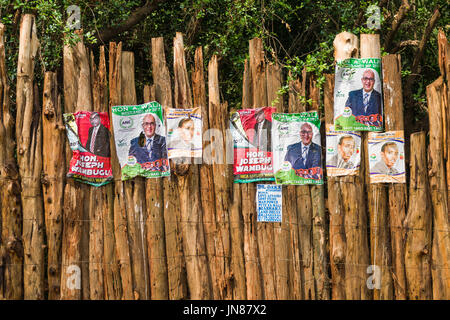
{"x": 304, "y": 154}
{"x": 149, "y": 146}
{"x": 98, "y": 137}
{"x": 365, "y": 101}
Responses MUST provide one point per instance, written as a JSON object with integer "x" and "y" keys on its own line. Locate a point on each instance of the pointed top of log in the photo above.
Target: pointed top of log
{"x": 345, "y": 46}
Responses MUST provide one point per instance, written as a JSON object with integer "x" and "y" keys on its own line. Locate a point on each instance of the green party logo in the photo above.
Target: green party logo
{"x": 126, "y": 123}
{"x": 286, "y": 166}
{"x": 330, "y": 149}
{"x": 348, "y": 73}
{"x": 373, "y": 156}
{"x": 347, "y": 112}
{"x": 131, "y": 160}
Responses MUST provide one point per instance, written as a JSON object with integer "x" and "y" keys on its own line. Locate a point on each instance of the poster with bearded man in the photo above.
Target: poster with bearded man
{"x": 358, "y": 101}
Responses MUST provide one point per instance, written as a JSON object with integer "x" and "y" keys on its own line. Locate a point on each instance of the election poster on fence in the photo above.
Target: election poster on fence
{"x": 88, "y": 135}
{"x": 387, "y": 157}
{"x": 297, "y": 151}
{"x": 139, "y": 134}
{"x": 184, "y": 133}
{"x": 343, "y": 156}
{"x": 358, "y": 100}
{"x": 269, "y": 203}
{"x": 251, "y": 132}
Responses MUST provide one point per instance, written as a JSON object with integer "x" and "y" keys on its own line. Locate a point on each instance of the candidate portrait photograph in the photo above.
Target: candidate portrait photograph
{"x": 98, "y": 137}
{"x": 262, "y": 138}
{"x": 365, "y": 101}
{"x": 304, "y": 154}
{"x": 346, "y": 148}
{"x": 389, "y": 155}
{"x": 148, "y": 146}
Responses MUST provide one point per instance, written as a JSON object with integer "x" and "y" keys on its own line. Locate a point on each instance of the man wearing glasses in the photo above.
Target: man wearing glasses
{"x": 365, "y": 101}
{"x": 304, "y": 154}
{"x": 149, "y": 146}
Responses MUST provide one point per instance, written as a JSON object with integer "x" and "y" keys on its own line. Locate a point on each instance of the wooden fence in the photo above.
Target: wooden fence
{"x": 194, "y": 234}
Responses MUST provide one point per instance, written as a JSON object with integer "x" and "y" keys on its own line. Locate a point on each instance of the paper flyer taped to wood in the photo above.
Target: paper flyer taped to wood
{"x": 88, "y": 134}
{"x": 269, "y": 203}
{"x": 343, "y": 156}
{"x": 358, "y": 100}
{"x": 387, "y": 157}
{"x": 139, "y": 134}
{"x": 184, "y": 133}
{"x": 297, "y": 151}
{"x": 251, "y": 132}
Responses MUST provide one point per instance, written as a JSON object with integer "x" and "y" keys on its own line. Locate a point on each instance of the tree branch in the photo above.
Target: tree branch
{"x": 405, "y": 43}
{"x": 396, "y": 23}
{"x": 135, "y": 17}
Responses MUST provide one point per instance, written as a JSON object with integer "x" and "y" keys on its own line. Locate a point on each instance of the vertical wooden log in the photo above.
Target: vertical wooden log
{"x": 248, "y": 196}
{"x": 265, "y": 230}
{"x": 154, "y": 194}
{"x": 336, "y": 208}
{"x": 176, "y": 268}
{"x": 440, "y": 269}
{"x": 11, "y": 245}
{"x": 53, "y": 180}
{"x": 281, "y": 230}
{"x": 218, "y": 118}
{"x": 120, "y": 218}
{"x": 29, "y": 158}
{"x": 135, "y": 197}
{"x": 294, "y": 211}
{"x": 393, "y": 114}
{"x": 418, "y": 224}
{"x": 381, "y": 255}
{"x": 188, "y": 187}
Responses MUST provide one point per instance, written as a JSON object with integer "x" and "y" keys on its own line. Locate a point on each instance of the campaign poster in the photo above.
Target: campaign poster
{"x": 343, "y": 155}
{"x": 184, "y": 133}
{"x": 269, "y": 203}
{"x": 88, "y": 135}
{"x": 297, "y": 152}
{"x": 251, "y": 132}
{"x": 139, "y": 134}
{"x": 358, "y": 100}
{"x": 387, "y": 157}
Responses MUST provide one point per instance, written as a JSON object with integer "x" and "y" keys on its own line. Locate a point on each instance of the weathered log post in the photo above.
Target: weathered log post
{"x": 218, "y": 119}
{"x": 120, "y": 210}
{"x": 418, "y": 224}
{"x": 188, "y": 187}
{"x": 176, "y": 267}
{"x": 135, "y": 198}
{"x": 440, "y": 258}
{"x": 393, "y": 115}
{"x": 253, "y": 270}
{"x": 53, "y": 180}
{"x": 11, "y": 245}
{"x": 29, "y": 158}
{"x": 381, "y": 254}
{"x": 283, "y": 261}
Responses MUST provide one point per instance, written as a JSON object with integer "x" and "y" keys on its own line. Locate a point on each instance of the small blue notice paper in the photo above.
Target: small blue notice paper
{"x": 269, "y": 202}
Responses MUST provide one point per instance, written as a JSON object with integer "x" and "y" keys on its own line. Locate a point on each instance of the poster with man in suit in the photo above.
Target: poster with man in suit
{"x": 387, "y": 157}
{"x": 251, "y": 130}
{"x": 358, "y": 102}
{"x": 297, "y": 152}
{"x": 88, "y": 134}
{"x": 139, "y": 134}
{"x": 343, "y": 152}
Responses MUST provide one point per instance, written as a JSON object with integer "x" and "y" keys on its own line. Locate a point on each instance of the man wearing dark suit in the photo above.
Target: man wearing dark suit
{"x": 365, "y": 101}
{"x": 305, "y": 154}
{"x": 262, "y": 139}
{"x": 98, "y": 138}
{"x": 149, "y": 146}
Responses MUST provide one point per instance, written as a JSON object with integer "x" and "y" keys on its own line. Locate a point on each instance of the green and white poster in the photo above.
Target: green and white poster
{"x": 358, "y": 100}
{"x": 139, "y": 134}
{"x": 297, "y": 152}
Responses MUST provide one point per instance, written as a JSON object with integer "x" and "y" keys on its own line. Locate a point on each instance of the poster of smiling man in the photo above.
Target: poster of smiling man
{"x": 358, "y": 101}
{"x": 139, "y": 134}
{"x": 251, "y": 132}
{"x": 88, "y": 134}
{"x": 387, "y": 157}
{"x": 184, "y": 133}
{"x": 343, "y": 152}
{"x": 297, "y": 153}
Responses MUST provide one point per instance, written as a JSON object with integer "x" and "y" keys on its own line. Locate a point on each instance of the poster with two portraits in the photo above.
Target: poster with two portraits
{"x": 358, "y": 106}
